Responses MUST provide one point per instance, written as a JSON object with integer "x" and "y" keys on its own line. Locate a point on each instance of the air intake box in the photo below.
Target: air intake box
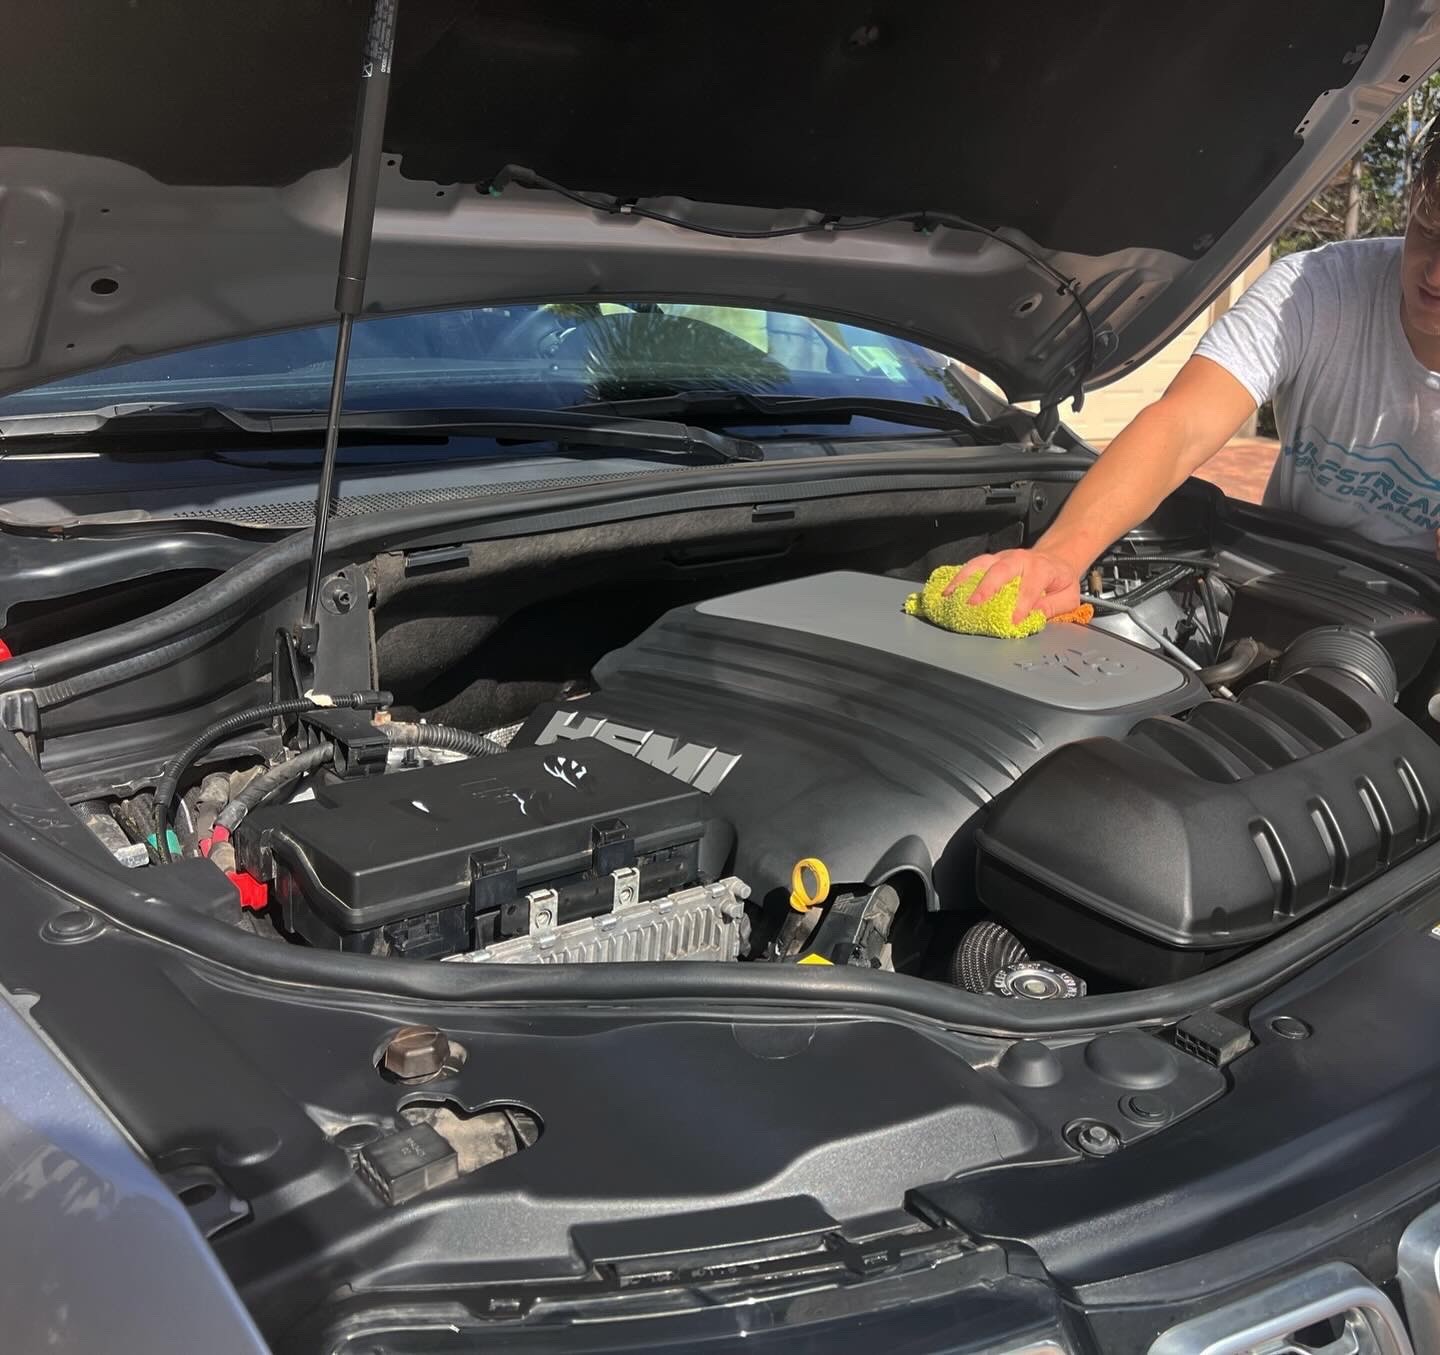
{"x": 1278, "y": 608}
{"x": 438, "y": 860}
{"x": 1150, "y": 857}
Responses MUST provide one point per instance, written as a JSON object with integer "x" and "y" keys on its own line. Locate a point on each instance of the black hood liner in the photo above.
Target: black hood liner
{"x": 1091, "y": 128}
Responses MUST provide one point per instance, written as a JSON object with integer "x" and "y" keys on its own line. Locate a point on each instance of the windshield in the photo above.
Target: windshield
{"x": 531, "y": 357}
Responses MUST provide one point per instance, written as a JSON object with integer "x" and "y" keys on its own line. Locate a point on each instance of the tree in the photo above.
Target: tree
{"x": 1368, "y": 195}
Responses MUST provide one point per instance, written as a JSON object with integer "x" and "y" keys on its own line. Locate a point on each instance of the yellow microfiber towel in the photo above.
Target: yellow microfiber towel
{"x": 990, "y": 618}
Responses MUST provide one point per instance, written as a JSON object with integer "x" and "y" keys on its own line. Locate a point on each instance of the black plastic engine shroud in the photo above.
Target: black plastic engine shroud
{"x": 1220, "y": 829}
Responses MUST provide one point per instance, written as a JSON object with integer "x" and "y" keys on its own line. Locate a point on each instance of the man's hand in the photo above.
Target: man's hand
{"x": 1163, "y": 444}
{"x": 1046, "y": 581}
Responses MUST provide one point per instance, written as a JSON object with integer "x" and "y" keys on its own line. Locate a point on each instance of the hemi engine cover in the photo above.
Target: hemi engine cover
{"x": 823, "y": 721}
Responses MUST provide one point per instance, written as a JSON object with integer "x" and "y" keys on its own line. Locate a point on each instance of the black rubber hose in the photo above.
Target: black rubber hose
{"x": 1160, "y": 583}
{"x": 403, "y": 735}
{"x": 1200, "y": 562}
{"x": 450, "y": 738}
{"x": 241, "y": 719}
{"x": 271, "y": 782}
{"x": 123, "y": 670}
{"x": 1205, "y": 586}
{"x": 1243, "y": 657}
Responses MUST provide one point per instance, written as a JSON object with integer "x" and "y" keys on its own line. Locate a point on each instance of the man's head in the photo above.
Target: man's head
{"x": 1420, "y": 266}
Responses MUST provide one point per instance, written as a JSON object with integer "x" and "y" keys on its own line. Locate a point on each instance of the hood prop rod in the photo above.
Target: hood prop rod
{"x": 360, "y": 197}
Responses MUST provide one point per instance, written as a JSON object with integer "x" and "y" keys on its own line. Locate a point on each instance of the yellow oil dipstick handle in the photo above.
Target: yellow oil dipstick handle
{"x": 809, "y": 884}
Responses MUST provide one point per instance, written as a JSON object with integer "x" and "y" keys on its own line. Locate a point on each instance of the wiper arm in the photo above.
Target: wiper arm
{"x": 747, "y": 407}
{"x": 570, "y": 427}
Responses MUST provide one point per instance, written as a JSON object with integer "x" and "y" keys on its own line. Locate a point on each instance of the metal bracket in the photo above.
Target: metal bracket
{"x": 544, "y": 910}
{"x": 627, "y": 887}
{"x": 1047, "y": 421}
{"x": 343, "y": 658}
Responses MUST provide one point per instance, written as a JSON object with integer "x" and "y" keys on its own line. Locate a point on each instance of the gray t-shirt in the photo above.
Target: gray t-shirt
{"x": 1358, "y": 416}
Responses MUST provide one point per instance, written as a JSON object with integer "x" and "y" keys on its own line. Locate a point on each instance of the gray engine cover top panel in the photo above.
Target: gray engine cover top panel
{"x": 823, "y": 721}
{"x": 1071, "y": 667}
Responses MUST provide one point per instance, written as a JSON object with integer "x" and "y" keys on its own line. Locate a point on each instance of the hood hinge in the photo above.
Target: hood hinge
{"x": 1047, "y": 417}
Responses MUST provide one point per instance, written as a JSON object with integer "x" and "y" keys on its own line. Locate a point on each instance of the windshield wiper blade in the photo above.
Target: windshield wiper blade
{"x": 138, "y": 422}
{"x": 748, "y": 407}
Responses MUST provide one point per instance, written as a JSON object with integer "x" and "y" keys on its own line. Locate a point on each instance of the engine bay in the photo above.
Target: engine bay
{"x": 799, "y": 773}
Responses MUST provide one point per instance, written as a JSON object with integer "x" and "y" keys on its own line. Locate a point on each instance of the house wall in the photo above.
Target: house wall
{"x": 1108, "y": 410}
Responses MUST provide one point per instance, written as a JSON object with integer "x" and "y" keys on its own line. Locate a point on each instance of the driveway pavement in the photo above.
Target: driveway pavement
{"x": 1242, "y": 467}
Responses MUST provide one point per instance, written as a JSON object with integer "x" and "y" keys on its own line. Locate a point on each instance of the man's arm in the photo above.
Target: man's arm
{"x": 1163, "y": 445}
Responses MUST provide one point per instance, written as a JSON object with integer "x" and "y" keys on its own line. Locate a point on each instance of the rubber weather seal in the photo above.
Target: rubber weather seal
{"x": 157, "y": 907}
{"x": 197, "y": 617}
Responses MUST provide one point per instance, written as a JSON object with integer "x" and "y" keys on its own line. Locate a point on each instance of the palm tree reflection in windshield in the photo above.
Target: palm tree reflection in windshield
{"x": 648, "y": 353}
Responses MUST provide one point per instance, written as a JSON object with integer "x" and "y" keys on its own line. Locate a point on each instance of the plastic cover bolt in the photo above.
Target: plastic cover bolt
{"x": 1289, "y": 1027}
{"x": 72, "y": 926}
{"x": 1144, "y": 1108}
{"x": 416, "y": 1052}
{"x": 1099, "y": 1140}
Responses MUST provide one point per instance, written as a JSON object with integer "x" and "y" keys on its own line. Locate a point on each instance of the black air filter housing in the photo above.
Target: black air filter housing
{"x": 1278, "y": 608}
{"x": 1151, "y": 857}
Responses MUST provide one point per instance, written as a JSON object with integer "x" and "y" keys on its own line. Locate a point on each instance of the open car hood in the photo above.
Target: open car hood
{"x": 175, "y": 173}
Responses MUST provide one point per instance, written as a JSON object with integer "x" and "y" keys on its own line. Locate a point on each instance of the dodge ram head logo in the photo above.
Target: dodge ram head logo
{"x": 1086, "y": 666}
{"x": 696, "y": 764}
{"x": 566, "y": 769}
